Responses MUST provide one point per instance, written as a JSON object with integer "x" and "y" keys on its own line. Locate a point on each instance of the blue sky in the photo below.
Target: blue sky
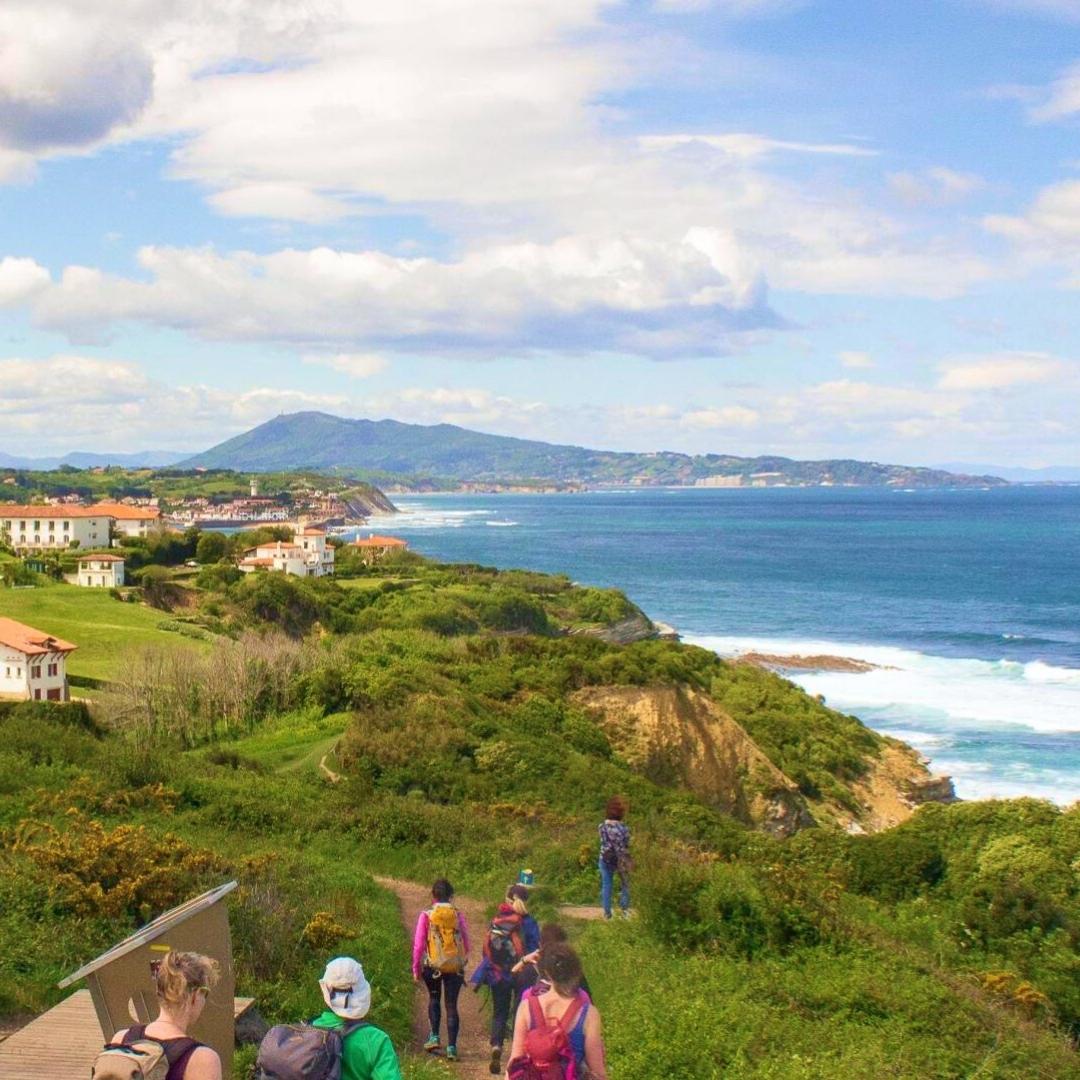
{"x": 813, "y": 228}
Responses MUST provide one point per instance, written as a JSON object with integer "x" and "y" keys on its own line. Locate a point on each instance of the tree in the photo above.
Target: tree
{"x": 210, "y": 548}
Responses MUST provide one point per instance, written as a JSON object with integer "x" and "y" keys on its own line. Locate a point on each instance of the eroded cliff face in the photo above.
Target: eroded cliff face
{"x": 896, "y": 785}
{"x": 676, "y": 735}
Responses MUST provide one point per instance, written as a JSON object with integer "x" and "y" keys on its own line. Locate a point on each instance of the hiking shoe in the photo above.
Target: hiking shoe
{"x": 496, "y": 1057}
{"x": 451, "y": 1053}
{"x": 432, "y": 1045}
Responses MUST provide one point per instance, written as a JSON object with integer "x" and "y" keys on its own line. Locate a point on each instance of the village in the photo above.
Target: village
{"x": 89, "y": 547}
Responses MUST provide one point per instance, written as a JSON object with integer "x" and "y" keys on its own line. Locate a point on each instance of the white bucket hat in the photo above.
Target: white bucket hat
{"x": 345, "y": 990}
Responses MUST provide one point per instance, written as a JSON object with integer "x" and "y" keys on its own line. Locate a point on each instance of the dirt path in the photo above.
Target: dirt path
{"x": 581, "y": 911}
{"x": 473, "y": 1041}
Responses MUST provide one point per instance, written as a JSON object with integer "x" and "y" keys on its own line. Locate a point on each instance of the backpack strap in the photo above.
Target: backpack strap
{"x": 566, "y": 1021}
{"x": 133, "y": 1035}
{"x": 177, "y": 1051}
{"x": 350, "y": 1026}
{"x": 536, "y": 1013}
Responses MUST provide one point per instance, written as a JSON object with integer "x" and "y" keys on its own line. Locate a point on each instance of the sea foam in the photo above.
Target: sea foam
{"x": 1000, "y": 728}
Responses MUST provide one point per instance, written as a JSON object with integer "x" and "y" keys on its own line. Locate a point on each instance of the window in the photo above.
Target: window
{"x": 53, "y": 669}
{"x": 35, "y": 672}
{"x": 7, "y": 672}
{"x": 67, "y": 526}
{"x": 37, "y": 694}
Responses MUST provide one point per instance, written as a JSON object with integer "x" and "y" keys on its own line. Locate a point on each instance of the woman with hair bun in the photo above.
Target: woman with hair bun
{"x": 183, "y": 981}
{"x": 558, "y": 1013}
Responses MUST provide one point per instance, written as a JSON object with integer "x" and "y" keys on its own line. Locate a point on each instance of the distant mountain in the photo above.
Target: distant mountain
{"x": 1052, "y": 474}
{"x": 319, "y": 441}
{"x": 81, "y": 459}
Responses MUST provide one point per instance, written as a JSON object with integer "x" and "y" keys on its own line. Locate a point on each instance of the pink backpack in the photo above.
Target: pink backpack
{"x": 548, "y": 1053}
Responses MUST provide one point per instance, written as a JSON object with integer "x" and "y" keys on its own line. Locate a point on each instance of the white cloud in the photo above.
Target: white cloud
{"x": 730, "y": 417}
{"x": 1049, "y": 229}
{"x": 1062, "y": 97}
{"x": 66, "y": 80}
{"x": 20, "y": 279}
{"x": 114, "y": 404}
{"x": 1001, "y": 372}
{"x": 937, "y": 186}
{"x": 576, "y": 290}
{"x": 355, "y": 365}
{"x": 746, "y": 145}
{"x": 856, "y": 360}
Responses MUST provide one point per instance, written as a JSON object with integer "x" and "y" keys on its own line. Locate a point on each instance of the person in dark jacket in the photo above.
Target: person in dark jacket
{"x": 497, "y": 973}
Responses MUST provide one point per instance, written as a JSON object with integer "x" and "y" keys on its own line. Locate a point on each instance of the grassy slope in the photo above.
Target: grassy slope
{"x": 482, "y": 771}
{"x": 100, "y": 625}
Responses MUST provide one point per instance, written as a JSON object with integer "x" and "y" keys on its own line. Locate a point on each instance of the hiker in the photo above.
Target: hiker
{"x": 367, "y": 1052}
{"x": 183, "y": 981}
{"x": 557, "y": 1026}
{"x": 615, "y": 857}
{"x": 339, "y": 1044}
{"x": 512, "y": 934}
{"x": 550, "y": 934}
{"x": 440, "y": 953}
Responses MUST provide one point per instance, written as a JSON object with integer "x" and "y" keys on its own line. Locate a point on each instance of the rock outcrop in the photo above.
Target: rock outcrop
{"x": 636, "y": 627}
{"x": 897, "y": 783}
{"x": 677, "y": 735}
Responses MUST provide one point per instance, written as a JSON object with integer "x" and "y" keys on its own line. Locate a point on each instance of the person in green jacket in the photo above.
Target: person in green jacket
{"x": 367, "y": 1053}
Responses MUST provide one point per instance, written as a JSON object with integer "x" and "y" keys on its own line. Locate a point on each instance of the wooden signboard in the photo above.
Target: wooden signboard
{"x": 122, "y": 987}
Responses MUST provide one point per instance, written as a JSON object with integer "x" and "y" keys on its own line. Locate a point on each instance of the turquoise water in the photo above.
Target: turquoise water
{"x": 970, "y": 600}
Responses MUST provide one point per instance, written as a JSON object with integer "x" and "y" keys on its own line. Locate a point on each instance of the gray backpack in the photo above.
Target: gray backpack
{"x": 302, "y": 1052}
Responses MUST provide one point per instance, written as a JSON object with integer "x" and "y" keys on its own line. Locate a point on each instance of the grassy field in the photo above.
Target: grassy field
{"x": 104, "y": 628}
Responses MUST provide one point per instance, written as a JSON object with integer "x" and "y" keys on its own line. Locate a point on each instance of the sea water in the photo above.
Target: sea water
{"x": 968, "y": 600}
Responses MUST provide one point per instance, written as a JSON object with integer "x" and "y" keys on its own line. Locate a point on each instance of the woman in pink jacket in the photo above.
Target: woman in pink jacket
{"x": 440, "y": 952}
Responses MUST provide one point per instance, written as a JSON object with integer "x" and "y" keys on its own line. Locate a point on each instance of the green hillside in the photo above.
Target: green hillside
{"x": 446, "y": 697}
{"x": 390, "y": 448}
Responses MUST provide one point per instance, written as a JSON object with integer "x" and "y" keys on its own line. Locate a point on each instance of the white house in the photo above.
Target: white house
{"x": 51, "y": 528}
{"x": 320, "y": 554}
{"x": 101, "y": 571}
{"x": 32, "y": 663}
{"x": 130, "y": 520}
{"x": 308, "y": 556}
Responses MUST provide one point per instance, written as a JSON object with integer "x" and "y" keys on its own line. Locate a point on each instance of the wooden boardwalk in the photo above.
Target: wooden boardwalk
{"x": 61, "y": 1044}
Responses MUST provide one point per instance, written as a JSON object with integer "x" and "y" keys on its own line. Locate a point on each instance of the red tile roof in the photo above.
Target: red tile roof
{"x": 123, "y": 512}
{"x": 100, "y": 558}
{"x": 30, "y": 642}
{"x": 22, "y": 511}
{"x": 379, "y": 541}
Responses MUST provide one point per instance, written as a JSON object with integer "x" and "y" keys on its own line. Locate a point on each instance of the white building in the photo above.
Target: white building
{"x": 51, "y": 528}
{"x": 32, "y": 663}
{"x": 130, "y": 520}
{"x": 309, "y": 556}
{"x": 101, "y": 571}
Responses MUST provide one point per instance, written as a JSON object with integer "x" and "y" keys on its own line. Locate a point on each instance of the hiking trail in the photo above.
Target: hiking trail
{"x": 474, "y": 1047}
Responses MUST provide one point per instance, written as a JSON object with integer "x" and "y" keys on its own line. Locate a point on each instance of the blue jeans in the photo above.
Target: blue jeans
{"x": 607, "y": 881}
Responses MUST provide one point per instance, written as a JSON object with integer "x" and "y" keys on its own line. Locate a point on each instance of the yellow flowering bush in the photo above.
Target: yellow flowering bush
{"x": 323, "y": 931}
{"x": 91, "y": 870}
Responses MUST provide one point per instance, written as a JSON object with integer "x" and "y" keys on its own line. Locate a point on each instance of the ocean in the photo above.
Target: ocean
{"x": 969, "y": 600}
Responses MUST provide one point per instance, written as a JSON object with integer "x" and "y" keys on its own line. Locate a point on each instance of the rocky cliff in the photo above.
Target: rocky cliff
{"x": 678, "y": 735}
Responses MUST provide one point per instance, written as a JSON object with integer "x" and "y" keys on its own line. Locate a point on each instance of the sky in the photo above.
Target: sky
{"x": 820, "y": 228}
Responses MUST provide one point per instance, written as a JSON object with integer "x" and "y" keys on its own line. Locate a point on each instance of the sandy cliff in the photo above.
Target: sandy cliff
{"x": 677, "y": 735}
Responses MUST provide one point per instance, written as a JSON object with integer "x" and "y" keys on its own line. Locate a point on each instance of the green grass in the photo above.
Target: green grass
{"x": 294, "y": 742}
{"x": 102, "y": 627}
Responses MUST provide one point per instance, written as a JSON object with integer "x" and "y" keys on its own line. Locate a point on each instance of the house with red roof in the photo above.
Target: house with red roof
{"x": 374, "y": 547}
{"x": 33, "y": 663}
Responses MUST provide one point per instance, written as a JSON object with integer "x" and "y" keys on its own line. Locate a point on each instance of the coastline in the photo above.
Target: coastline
{"x": 992, "y": 698}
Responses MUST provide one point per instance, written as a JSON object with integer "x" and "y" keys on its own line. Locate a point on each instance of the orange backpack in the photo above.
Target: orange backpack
{"x": 445, "y": 951}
